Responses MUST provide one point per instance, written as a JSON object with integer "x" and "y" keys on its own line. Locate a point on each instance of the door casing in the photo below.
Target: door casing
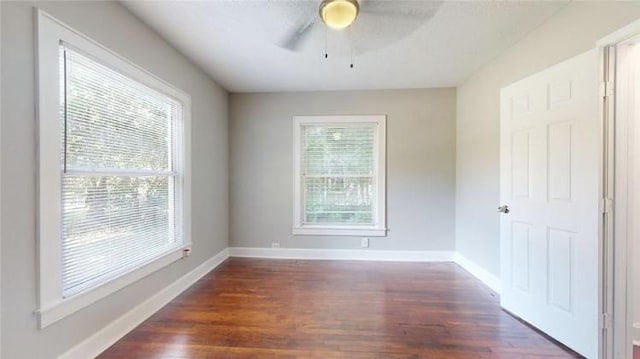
{"x": 616, "y": 331}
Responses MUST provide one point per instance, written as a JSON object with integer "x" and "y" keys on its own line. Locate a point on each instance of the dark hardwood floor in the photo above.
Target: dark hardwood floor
{"x": 255, "y": 308}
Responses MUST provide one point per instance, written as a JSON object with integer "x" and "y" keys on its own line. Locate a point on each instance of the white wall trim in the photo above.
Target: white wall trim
{"x": 480, "y": 273}
{"x": 0, "y": 195}
{"x": 53, "y": 303}
{"x": 625, "y": 33}
{"x": 103, "y": 339}
{"x": 376, "y": 229}
{"x": 343, "y": 254}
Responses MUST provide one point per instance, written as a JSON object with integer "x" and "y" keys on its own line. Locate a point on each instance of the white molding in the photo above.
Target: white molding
{"x": 348, "y": 231}
{"x": 490, "y": 280}
{"x": 0, "y": 187}
{"x": 103, "y": 339}
{"x": 480, "y": 273}
{"x": 378, "y": 228}
{"x": 620, "y": 35}
{"x": 343, "y": 254}
{"x": 50, "y": 33}
{"x": 67, "y": 306}
{"x": 618, "y": 227}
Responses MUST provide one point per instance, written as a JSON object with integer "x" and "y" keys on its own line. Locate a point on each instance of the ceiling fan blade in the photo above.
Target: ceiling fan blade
{"x": 401, "y": 9}
{"x": 298, "y": 37}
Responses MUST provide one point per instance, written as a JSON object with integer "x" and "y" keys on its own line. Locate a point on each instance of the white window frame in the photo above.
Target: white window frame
{"x": 52, "y": 306}
{"x": 379, "y": 227}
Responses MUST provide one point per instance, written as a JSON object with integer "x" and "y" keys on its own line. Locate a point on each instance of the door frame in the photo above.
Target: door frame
{"x": 0, "y": 190}
{"x": 615, "y": 320}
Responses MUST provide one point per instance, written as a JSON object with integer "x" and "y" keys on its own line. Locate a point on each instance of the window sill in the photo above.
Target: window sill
{"x": 67, "y": 306}
{"x": 338, "y": 231}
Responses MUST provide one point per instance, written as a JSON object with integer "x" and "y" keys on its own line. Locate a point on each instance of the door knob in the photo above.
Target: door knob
{"x": 503, "y": 209}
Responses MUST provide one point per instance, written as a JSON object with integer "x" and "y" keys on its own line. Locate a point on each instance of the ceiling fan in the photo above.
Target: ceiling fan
{"x": 372, "y": 23}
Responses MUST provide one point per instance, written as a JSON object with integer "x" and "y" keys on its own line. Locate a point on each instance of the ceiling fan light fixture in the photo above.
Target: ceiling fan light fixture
{"x": 339, "y": 14}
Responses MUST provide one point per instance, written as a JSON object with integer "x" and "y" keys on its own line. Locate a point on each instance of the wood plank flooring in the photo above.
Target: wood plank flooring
{"x": 260, "y": 308}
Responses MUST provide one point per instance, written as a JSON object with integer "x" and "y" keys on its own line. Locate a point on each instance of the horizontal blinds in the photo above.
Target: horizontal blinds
{"x": 112, "y": 121}
{"x": 338, "y": 165}
{"x": 118, "y": 179}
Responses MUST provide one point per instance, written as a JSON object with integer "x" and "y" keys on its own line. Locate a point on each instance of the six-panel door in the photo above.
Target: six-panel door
{"x": 549, "y": 155}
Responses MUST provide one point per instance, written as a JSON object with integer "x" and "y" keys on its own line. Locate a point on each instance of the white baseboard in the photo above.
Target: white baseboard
{"x": 482, "y": 274}
{"x": 636, "y": 334}
{"x": 103, "y": 339}
{"x": 343, "y": 254}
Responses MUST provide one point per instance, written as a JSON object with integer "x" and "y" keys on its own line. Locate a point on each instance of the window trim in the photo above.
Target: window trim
{"x": 379, "y": 229}
{"x": 52, "y": 306}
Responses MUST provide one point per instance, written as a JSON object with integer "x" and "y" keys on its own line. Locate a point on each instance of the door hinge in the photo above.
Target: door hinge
{"x": 606, "y": 205}
{"x": 606, "y": 88}
{"x": 606, "y": 321}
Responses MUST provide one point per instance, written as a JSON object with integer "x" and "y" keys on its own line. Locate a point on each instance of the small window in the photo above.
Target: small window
{"x": 339, "y": 175}
{"x": 113, "y": 177}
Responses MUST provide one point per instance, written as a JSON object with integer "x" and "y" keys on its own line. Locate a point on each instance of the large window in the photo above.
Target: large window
{"x": 339, "y": 175}
{"x": 113, "y": 179}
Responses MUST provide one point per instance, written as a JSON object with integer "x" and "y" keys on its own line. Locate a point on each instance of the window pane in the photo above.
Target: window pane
{"x": 338, "y": 150}
{"x": 113, "y": 121}
{"x": 338, "y": 171}
{"x": 339, "y": 200}
{"x": 113, "y": 224}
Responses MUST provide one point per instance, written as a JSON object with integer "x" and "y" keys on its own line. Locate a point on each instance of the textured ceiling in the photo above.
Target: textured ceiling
{"x": 396, "y": 44}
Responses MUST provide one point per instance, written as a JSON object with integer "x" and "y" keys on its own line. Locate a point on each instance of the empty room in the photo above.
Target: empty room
{"x": 363, "y": 179}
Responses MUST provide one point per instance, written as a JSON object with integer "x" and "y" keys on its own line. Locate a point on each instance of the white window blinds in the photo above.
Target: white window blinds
{"x": 120, "y": 166}
{"x": 339, "y": 174}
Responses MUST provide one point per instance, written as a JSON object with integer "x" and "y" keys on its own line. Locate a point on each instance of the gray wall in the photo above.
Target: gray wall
{"x": 113, "y": 26}
{"x": 572, "y": 31}
{"x": 420, "y": 166}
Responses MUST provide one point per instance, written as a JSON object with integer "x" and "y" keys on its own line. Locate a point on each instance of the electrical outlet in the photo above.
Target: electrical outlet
{"x": 275, "y": 245}
{"x": 365, "y": 242}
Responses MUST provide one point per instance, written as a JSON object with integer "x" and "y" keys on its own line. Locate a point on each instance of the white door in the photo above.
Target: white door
{"x": 549, "y": 174}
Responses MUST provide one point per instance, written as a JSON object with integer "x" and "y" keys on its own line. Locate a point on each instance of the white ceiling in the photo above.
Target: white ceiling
{"x": 439, "y": 45}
